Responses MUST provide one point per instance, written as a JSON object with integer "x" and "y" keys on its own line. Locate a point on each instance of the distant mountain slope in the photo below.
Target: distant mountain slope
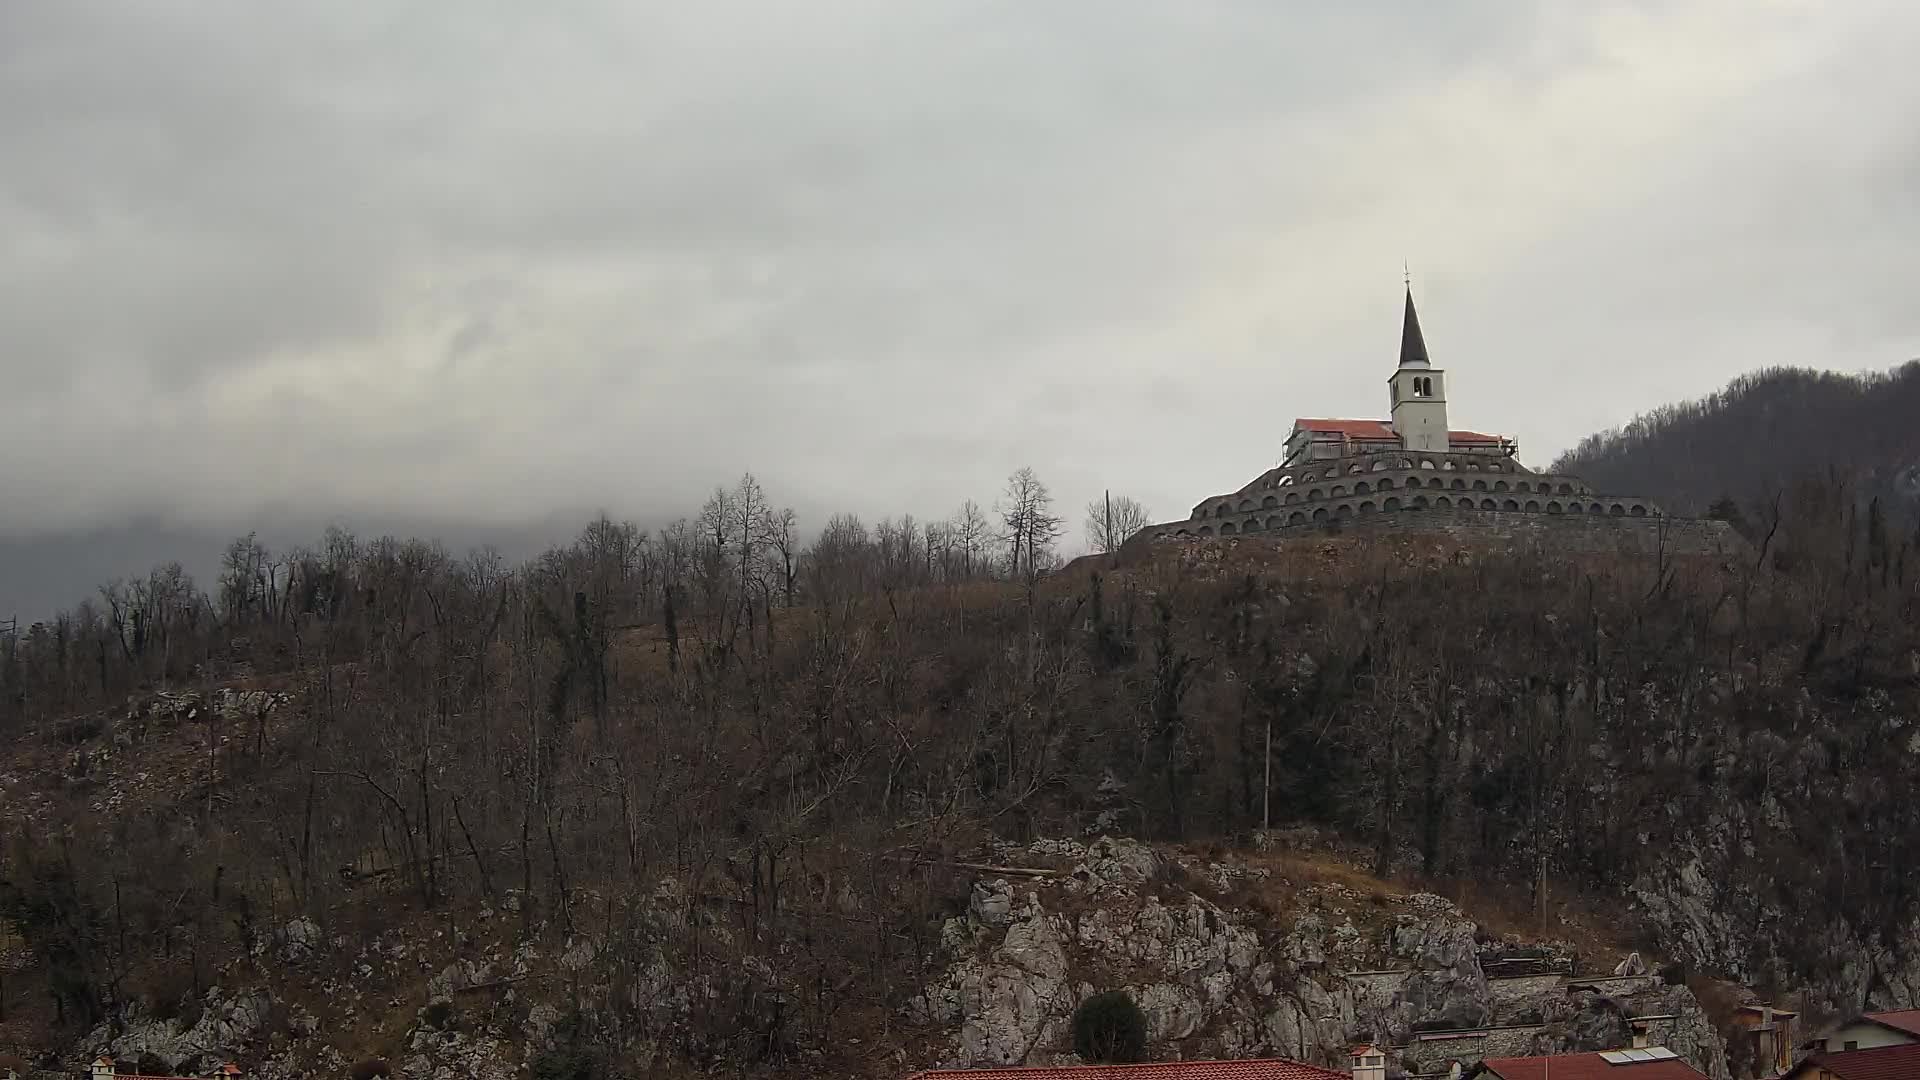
{"x": 1759, "y": 434}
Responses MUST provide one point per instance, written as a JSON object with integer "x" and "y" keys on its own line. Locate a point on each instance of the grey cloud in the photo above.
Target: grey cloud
{"x": 491, "y": 261}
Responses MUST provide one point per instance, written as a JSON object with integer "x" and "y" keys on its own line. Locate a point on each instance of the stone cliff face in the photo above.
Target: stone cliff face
{"x": 1235, "y": 957}
{"x": 1716, "y": 914}
{"x": 1408, "y": 971}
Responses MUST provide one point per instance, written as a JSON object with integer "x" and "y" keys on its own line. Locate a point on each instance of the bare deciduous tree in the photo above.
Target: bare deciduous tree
{"x": 1029, "y": 526}
{"x": 1113, "y": 518}
{"x": 783, "y": 551}
{"x": 971, "y": 531}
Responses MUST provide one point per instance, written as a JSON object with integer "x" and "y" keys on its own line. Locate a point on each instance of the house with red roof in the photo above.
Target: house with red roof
{"x": 1899, "y": 1027}
{"x": 1897, "y": 1062}
{"x": 1640, "y": 1063}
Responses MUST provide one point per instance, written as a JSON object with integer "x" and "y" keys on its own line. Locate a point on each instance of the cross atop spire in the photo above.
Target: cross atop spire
{"x": 1413, "y": 347}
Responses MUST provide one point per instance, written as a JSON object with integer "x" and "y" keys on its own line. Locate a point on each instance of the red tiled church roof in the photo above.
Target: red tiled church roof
{"x": 1879, "y": 1063}
{"x": 1587, "y": 1067}
{"x": 1352, "y": 429}
{"x": 1365, "y": 430}
{"x": 1267, "y": 1069}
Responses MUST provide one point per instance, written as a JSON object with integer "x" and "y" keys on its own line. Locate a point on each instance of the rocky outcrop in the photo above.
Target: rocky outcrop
{"x": 455, "y": 1055}
{"x": 225, "y": 1029}
{"x": 1716, "y": 912}
{"x": 1227, "y": 958}
{"x": 1217, "y": 981}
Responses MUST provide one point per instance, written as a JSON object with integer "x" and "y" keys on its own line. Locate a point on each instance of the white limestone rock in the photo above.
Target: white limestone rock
{"x": 991, "y": 903}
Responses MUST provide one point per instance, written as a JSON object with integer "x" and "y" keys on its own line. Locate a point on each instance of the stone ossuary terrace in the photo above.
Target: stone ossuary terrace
{"x": 1408, "y": 466}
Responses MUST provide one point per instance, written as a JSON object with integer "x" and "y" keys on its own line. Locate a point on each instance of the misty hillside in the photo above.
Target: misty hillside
{"x": 1760, "y": 435}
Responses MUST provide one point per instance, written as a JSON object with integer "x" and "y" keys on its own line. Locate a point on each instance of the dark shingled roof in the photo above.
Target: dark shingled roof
{"x": 1413, "y": 347}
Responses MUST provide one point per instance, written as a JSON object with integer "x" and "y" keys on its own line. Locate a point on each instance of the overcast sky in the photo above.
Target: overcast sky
{"x": 491, "y": 260}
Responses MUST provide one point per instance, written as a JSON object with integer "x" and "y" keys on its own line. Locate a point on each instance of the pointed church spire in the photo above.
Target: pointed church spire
{"x": 1413, "y": 347}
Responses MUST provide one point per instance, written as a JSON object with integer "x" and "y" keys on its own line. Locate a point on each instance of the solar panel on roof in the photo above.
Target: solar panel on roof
{"x": 1637, "y": 1055}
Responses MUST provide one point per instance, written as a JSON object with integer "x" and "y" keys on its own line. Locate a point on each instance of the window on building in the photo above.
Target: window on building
{"x": 1852, "y": 1044}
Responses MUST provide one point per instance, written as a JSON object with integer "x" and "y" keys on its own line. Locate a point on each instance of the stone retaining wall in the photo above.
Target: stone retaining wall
{"x": 1432, "y": 1052}
{"x": 1620, "y": 986}
{"x": 1584, "y": 533}
{"x": 1510, "y": 989}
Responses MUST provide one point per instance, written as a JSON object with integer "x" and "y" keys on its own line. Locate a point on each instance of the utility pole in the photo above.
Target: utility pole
{"x": 1266, "y": 781}
{"x": 1543, "y": 891}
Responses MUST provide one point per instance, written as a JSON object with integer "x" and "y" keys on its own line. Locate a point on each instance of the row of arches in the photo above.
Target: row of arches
{"x": 1386, "y": 483}
{"x": 1387, "y": 462}
{"x": 1421, "y": 502}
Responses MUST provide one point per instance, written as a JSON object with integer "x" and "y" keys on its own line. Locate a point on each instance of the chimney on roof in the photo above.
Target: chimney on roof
{"x": 1766, "y": 1039}
{"x": 1369, "y": 1063}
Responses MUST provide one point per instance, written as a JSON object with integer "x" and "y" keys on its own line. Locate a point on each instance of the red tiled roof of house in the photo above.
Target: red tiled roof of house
{"x": 1879, "y": 1063}
{"x": 1587, "y": 1067}
{"x": 1473, "y": 437}
{"x": 1265, "y": 1069}
{"x": 1907, "y": 1020}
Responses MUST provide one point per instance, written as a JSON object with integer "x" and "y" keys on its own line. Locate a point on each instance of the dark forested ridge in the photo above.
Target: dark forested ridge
{"x": 1760, "y": 435}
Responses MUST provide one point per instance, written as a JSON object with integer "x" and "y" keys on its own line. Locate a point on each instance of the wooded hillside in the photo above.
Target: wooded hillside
{"x": 782, "y": 746}
{"x": 1766, "y": 430}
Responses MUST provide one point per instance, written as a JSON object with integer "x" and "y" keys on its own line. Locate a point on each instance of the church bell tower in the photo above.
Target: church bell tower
{"x": 1419, "y": 391}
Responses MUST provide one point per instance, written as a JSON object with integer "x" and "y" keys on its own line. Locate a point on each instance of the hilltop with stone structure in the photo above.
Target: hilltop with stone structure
{"x": 1414, "y": 472}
